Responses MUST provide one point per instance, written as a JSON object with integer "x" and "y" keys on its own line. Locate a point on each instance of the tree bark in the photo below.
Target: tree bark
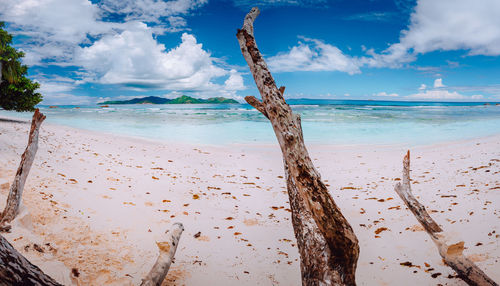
{"x": 17, "y": 270}
{"x": 16, "y": 189}
{"x": 451, "y": 254}
{"x": 327, "y": 244}
{"x": 167, "y": 248}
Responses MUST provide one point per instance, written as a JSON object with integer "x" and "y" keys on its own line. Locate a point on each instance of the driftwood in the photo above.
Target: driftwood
{"x": 17, "y": 270}
{"x": 451, "y": 254}
{"x": 167, "y": 248}
{"x": 327, "y": 244}
{"x": 16, "y": 189}
{"x": 14, "y": 268}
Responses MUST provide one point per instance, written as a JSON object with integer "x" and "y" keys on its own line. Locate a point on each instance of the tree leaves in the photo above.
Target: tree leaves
{"x": 17, "y": 92}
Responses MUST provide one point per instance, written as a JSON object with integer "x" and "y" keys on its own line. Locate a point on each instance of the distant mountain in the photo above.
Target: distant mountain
{"x": 142, "y": 100}
{"x": 184, "y": 99}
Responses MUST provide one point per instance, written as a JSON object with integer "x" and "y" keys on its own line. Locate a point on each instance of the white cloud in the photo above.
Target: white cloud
{"x": 57, "y": 28}
{"x": 57, "y": 90}
{"x": 54, "y": 27}
{"x": 235, "y": 81}
{"x": 385, "y": 94}
{"x": 438, "y": 83}
{"x": 67, "y": 99}
{"x": 394, "y": 56}
{"x": 422, "y": 86}
{"x": 134, "y": 58}
{"x": 48, "y": 88}
{"x": 314, "y": 55}
{"x": 150, "y": 10}
{"x": 443, "y": 95}
{"x": 73, "y": 33}
{"x": 445, "y": 25}
{"x": 438, "y": 93}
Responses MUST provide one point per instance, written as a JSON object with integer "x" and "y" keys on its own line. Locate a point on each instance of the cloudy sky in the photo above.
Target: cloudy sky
{"x": 83, "y": 51}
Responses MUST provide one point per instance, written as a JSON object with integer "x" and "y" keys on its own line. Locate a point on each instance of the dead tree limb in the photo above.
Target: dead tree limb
{"x": 167, "y": 248}
{"x": 451, "y": 254}
{"x": 327, "y": 244}
{"x": 16, "y": 189}
{"x": 17, "y": 270}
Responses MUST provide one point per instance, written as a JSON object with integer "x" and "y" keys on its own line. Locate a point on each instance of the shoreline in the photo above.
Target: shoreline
{"x": 250, "y": 144}
{"x": 106, "y": 228}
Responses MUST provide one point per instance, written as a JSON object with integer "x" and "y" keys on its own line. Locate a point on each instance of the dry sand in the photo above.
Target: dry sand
{"x": 95, "y": 203}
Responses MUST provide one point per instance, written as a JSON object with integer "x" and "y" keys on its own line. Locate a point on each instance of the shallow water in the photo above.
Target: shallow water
{"x": 324, "y": 121}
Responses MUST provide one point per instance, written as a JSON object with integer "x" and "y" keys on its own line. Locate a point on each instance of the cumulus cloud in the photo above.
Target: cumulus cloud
{"x": 438, "y": 83}
{"x": 438, "y": 93}
{"x": 313, "y": 55}
{"x": 134, "y": 58}
{"x": 441, "y": 94}
{"x": 235, "y": 81}
{"x": 54, "y": 28}
{"x": 75, "y": 33}
{"x": 445, "y": 25}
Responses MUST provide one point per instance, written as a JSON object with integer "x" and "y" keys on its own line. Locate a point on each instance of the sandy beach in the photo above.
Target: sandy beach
{"x": 95, "y": 203}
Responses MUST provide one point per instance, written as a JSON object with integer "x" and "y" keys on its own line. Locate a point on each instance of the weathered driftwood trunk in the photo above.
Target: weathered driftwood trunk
{"x": 167, "y": 248}
{"x": 14, "y": 268}
{"x": 451, "y": 254}
{"x": 16, "y": 189}
{"x": 327, "y": 244}
{"x": 17, "y": 270}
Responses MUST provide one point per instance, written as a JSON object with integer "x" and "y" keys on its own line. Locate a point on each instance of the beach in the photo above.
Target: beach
{"x": 95, "y": 203}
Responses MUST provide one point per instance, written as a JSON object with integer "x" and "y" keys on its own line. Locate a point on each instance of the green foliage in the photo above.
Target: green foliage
{"x": 17, "y": 92}
{"x": 142, "y": 100}
{"x": 184, "y": 99}
{"x": 220, "y": 100}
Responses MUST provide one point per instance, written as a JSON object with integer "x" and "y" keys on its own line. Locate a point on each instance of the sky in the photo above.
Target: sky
{"x": 84, "y": 52}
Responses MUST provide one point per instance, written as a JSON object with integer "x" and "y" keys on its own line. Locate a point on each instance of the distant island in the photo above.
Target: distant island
{"x": 179, "y": 100}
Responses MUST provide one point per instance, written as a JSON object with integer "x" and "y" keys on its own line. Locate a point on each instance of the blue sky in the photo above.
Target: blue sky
{"x": 83, "y": 52}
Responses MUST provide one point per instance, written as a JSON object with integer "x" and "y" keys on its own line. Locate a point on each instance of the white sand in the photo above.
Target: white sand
{"x": 101, "y": 200}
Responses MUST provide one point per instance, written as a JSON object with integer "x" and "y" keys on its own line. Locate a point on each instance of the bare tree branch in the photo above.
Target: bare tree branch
{"x": 16, "y": 189}
{"x": 327, "y": 244}
{"x": 451, "y": 254}
{"x": 253, "y": 101}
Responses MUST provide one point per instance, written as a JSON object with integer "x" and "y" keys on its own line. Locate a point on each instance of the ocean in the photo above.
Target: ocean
{"x": 324, "y": 121}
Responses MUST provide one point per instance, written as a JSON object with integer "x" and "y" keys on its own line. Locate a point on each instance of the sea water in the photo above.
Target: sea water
{"x": 323, "y": 121}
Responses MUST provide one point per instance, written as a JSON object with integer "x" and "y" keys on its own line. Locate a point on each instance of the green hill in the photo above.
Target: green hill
{"x": 142, "y": 100}
{"x": 220, "y": 100}
{"x": 184, "y": 99}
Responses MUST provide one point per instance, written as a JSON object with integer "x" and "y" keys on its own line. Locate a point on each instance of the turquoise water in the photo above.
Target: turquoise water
{"x": 324, "y": 121}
